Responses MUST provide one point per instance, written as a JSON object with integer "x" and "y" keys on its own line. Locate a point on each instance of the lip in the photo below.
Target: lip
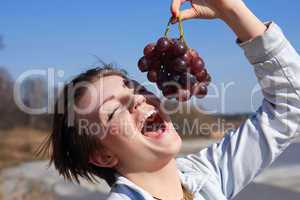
{"x": 159, "y": 135}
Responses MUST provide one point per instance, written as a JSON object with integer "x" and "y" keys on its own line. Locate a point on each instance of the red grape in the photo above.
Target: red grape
{"x": 179, "y": 65}
{"x": 183, "y": 95}
{"x": 149, "y": 50}
{"x": 169, "y": 91}
{"x": 187, "y": 57}
{"x": 155, "y": 64}
{"x": 202, "y": 75}
{"x": 179, "y": 48}
{"x": 152, "y": 76}
{"x": 143, "y": 64}
{"x": 163, "y": 44}
{"x": 199, "y": 90}
{"x": 163, "y": 56}
{"x": 187, "y": 80}
{"x": 172, "y": 82}
{"x": 170, "y": 51}
{"x": 175, "y": 77}
{"x": 156, "y": 55}
{"x": 193, "y": 53}
{"x": 197, "y": 65}
{"x": 162, "y": 77}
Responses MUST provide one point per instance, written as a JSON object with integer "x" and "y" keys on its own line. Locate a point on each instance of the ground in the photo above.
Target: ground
{"x": 24, "y": 177}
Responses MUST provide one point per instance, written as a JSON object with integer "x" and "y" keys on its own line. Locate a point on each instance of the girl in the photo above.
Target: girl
{"x": 98, "y": 129}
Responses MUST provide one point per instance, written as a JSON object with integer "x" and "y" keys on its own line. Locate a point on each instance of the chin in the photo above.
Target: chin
{"x": 170, "y": 147}
{"x": 175, "y": 146}
{"x": 175, "y": 141}
{"x": 169, "y": 154}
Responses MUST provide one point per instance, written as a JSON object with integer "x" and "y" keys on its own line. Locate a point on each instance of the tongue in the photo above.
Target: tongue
{"x": 153, "y": 134}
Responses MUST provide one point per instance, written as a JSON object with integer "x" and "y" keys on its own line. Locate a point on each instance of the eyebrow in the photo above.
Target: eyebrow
{"x": 106, "y": 100}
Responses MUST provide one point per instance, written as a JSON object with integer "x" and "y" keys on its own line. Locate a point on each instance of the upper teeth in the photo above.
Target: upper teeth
{"x": 150, "y": 113}
{"x": 147, "y": 115}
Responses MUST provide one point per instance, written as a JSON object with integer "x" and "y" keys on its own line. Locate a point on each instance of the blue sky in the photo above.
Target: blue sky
{"x": 66, "y": 34}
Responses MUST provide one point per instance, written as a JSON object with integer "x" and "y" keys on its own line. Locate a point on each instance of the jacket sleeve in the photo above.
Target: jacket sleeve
{"x": 242, "y": 154}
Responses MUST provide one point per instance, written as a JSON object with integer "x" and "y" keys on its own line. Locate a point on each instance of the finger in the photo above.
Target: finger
{"x": 185, "y": 14}
{"x": 188, "y": 14}
{"x": 175, "y": 7}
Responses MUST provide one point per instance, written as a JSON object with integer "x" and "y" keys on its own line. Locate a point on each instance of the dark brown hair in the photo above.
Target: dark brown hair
{"x": 68, "y": 149}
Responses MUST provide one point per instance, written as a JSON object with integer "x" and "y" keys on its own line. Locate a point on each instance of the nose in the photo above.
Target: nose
{"x": 137, "y": 100}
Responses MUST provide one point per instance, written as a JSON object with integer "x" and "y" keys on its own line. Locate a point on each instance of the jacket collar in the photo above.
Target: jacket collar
{"x": 121, "y": 180}
{"x": 193, "y": 182}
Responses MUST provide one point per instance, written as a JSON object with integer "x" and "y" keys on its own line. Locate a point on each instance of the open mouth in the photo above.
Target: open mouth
{"x": 153, "y": 126}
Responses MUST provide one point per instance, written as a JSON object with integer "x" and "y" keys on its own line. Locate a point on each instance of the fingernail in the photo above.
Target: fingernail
{"x": 173, "y": 20}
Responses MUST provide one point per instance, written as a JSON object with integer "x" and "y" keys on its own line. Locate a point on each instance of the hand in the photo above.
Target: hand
{"x": 203, "y": 9}
{"x": 233, "y": 12}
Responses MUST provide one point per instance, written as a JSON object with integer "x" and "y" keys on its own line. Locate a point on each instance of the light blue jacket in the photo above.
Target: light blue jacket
{"x": 222, "y": 170}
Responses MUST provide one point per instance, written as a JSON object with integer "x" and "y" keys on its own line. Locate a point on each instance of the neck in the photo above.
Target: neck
{"x": 164, "y": 183}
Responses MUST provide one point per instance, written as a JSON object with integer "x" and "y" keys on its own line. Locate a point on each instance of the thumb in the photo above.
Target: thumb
{"x": 185, "y": 15}
{"x": 188, "y": 14}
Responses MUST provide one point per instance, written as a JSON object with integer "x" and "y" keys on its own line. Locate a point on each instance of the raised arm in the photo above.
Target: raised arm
{"x": 244, "y": 153}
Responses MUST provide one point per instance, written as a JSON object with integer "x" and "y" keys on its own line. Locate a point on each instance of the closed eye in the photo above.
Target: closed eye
{"x": 110, "y": 116}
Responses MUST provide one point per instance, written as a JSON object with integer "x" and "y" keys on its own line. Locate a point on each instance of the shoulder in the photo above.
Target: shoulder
{"x": 117, "y": 196}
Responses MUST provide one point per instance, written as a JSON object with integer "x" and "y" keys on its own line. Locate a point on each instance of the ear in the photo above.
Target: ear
{"x": 104, "y": 158}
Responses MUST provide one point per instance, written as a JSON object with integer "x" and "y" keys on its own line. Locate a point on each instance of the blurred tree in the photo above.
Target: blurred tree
{"x": 1, "y": 43}
{"x": 34, "y": 92}
{"x": 35, "y": 96}
{"x": 7, "y": 106}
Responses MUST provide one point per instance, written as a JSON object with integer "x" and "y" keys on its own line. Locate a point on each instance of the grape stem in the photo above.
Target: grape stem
{"x": 168, "y": 28}
{"x": 180, "y": 28}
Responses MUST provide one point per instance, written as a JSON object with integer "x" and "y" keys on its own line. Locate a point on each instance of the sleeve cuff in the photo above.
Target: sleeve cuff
{"x": 266, "y": 46}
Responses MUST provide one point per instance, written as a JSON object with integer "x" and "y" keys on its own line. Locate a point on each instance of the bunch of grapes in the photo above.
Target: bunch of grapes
{"x": 178, "y": 71}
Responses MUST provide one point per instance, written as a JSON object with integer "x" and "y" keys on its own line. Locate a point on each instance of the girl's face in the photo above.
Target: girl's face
{"x": 136, "y": 130}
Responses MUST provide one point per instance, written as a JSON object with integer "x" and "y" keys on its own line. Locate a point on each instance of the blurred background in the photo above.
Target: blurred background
{"x": 59, "y": 39}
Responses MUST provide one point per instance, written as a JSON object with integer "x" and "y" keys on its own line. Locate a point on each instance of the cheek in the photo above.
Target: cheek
{"x": 122, "y": 135}
{"x": 114, "y": 129}
{"x": 123, "y": 127}
{"x": 127, "y": 125}
{"x": 121, "y": 145}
